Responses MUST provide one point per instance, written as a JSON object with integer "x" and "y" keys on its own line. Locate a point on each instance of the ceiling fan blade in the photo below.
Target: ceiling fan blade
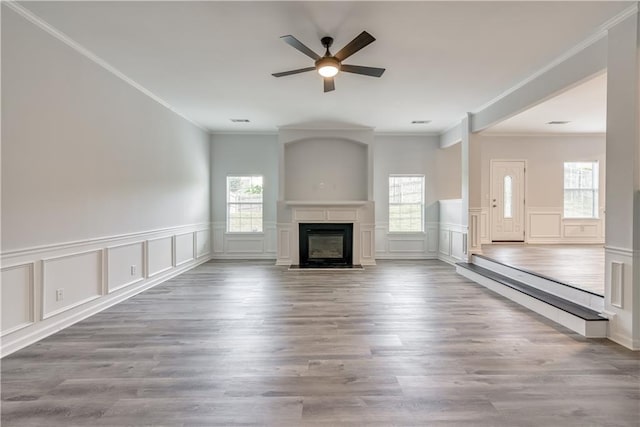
{"x": 355, "y": 45}
{"x": 329, "y": 84}
{"x": 358, "y": 69}
{"x": 294, "y": 42}
{"x": 288, "y": 73}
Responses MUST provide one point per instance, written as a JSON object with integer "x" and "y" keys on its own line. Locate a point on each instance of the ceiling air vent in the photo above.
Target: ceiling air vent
{"x": 240, "y": 120}
{"x": 558, "y": 122}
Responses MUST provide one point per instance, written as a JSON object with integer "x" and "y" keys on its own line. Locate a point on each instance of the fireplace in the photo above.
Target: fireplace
{"x": 326, "y": 245}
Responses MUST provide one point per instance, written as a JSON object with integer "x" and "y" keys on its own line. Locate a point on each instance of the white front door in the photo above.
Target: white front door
{"x": 507, "y": 200}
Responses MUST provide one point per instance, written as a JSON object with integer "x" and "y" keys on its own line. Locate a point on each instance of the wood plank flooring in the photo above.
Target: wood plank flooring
{"x": 579, "y": 265}
{"x": 249, "y": 343}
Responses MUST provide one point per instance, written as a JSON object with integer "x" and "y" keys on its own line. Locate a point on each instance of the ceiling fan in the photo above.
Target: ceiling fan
{"x": 329, "y": 65}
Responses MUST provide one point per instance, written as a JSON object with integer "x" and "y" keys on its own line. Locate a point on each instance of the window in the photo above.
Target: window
{"x": 244, "y": 204}
{"x": 581, "y": 189}
{"x": 406, "y": 203}
{"x": 508, "y": 197}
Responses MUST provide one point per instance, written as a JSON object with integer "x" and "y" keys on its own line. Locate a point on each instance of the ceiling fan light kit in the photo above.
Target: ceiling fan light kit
{"x": 329, "y": 65}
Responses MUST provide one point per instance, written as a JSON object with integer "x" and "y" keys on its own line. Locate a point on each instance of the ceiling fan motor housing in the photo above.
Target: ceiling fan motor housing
{"x": 327, "y": 61}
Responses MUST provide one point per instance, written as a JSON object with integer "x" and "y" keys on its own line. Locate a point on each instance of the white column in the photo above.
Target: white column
{"x": 471, "y": 176}
{"x": 622, "y": 249}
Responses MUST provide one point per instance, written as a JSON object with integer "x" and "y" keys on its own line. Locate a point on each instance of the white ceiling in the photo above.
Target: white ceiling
{"x": 583, "y": 106}
{"x": 212, "y": 61}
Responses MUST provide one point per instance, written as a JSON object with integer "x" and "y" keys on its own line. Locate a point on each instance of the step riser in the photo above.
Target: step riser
{"x": 585, "y": 299}
{"x": 586, "y": 328}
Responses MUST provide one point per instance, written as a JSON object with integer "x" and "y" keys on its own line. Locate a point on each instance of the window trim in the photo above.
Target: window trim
{"x": 594, "y": 190}
{"x": 227, "y": 204}
{"x": 423, "y": 227}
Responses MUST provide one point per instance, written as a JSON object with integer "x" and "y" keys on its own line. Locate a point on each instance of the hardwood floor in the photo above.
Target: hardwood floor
{"x": 241, "y": 343}
{"x": 579, "y": 265}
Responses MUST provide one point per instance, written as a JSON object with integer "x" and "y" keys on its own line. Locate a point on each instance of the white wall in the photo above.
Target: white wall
{"x": 325, "y": 169}
{"x": 105, "y": 192}
{"x": 398, "y": 154}
{"x": 545, "y": 156}
{"x": 244, "y": 154}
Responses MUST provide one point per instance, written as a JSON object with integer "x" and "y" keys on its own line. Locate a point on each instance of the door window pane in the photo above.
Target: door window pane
{"x": 508, "y": 197}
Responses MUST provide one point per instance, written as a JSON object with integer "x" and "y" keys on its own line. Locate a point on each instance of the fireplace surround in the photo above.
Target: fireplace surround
{"x": 326, "y": 244}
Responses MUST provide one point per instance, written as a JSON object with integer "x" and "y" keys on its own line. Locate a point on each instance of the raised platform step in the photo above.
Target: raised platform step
{"x": 578, "y": 318}
{"x": 553, "y": 286}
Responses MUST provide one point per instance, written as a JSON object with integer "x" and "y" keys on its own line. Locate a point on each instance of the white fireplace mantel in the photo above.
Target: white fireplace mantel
{"x": 358, "y": 212}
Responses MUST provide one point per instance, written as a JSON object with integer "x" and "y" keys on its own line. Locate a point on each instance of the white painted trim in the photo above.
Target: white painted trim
{"x": 105, "y": 239}
{"x": 32, "y": 297}
{"x": 173, "y": 258}
{"x": 43, "y": 25}
{"x": 599, "y": 33}
{"x": 589, "y": 329}
{"x": 243, "y": 132}
{"x": 44, "y": 315}
{"x": 540, "y": 134}
{"x": 175, "y": 248}
{"x": 620, "y": 251}
{"x": 124, "y": 285}
{"x": 10, "y": 346}
{"x": 525, "y": 223}
{"x": 106, "y": 261}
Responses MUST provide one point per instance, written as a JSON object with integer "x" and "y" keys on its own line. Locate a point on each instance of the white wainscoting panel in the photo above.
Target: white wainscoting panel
{"x": 125, "y": 265}
{"x": 451, "y": 244}
{"x": 92, "y": 275}
{"x": 544, "y": 225}
{"x": 284, "y": 248}
{"x": 271, "y": 239}
{"x": 617, "y": 281}
{"x": 444, "y": 243}
{"x": 348, "y": 215}
{"x": 621, "y": 295}
{"x": 218, "y": 238}
{"x": 432, "y": 239}
{"x": 184, "y": 248}
{"x": 548, "y": 226}
{"x": 239, "y": 244}
{"x": 77, "y": 276}
{"x": 581, "y": 230}
{"x": 457, "y": 245}
{"x": 406, "y": 244}
{"x": 203, "y": 243}
{"x": 159, "y": 255}
{"x": 18, "y": 297}
{"x": 367, "y": 240}
{"x": 475, "y": 230}
{"x": 485, "y": 236}
{"x": 309, "y": 215}
{"x": 452, "y": 234}
{"x": 421, "y": 245}
{"x": 245, "y": 245}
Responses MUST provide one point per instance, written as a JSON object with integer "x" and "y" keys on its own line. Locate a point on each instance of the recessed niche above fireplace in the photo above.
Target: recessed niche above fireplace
{"x": 326, "y": 245}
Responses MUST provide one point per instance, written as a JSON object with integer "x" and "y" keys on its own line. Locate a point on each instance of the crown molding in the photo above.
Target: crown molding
{"x": 240, "y": 132}
{"x": 45, "y": 26}
{"x": 598, "y": 34}
{"x": 543, "y": 134}
{"x": 400, "y": 133}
